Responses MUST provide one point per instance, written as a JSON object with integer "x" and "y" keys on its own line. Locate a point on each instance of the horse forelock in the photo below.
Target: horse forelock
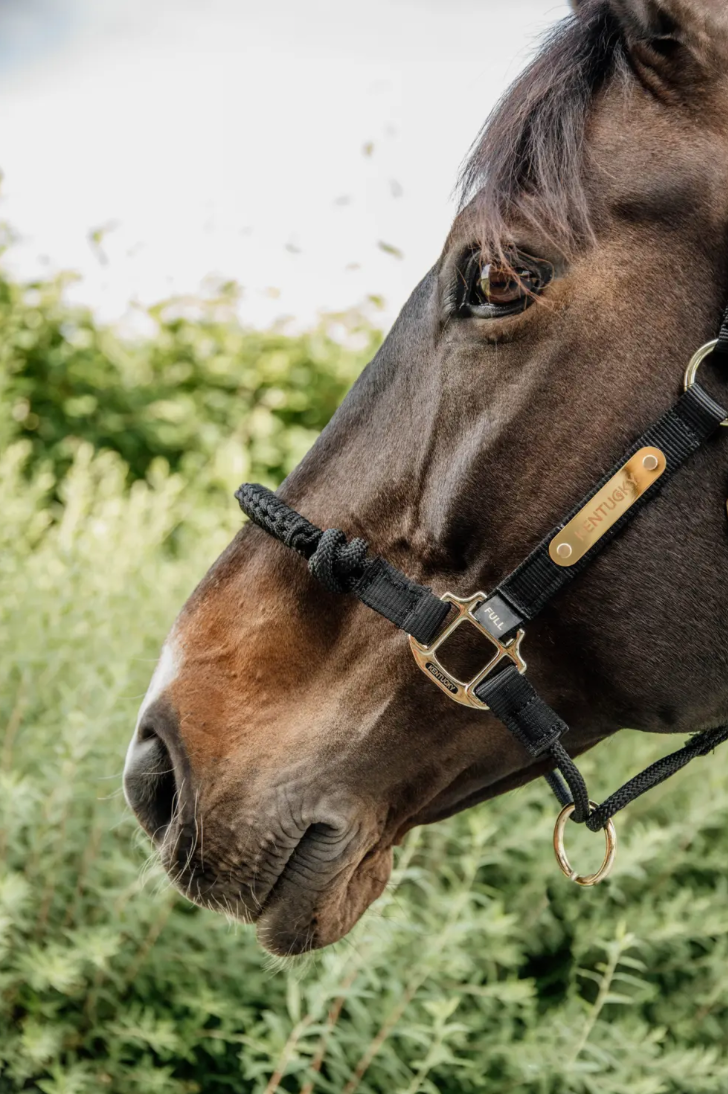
{"x": 527, "y": 162}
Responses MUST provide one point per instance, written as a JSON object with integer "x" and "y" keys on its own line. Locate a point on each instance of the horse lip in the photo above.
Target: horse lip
{"x": 293, "y": 919}
{"x": 204, "y": 883}
{"x": 307, "y": 840}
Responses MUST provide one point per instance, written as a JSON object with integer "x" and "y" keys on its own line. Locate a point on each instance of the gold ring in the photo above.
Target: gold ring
{"x": 610, "y": 836}
{"x": 696, "y": 361}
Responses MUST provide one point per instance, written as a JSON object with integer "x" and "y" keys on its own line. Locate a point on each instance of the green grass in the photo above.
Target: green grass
{"x": 481, "y": 968}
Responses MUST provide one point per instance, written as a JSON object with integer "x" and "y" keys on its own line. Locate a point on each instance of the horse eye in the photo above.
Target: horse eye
{"x": 498, "y": 285}
{"x": 493, "y": 289}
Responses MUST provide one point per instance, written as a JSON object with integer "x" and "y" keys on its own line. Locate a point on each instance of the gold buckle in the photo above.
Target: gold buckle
{"x": 463, "y": 691}
{"x": 691, "y": 372}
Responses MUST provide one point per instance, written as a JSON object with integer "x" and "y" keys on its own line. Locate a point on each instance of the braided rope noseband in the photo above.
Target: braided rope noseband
{"x": 332, "y": 560}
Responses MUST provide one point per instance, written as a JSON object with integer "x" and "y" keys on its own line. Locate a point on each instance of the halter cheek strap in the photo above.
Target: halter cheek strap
{"x": 501, "y": 686}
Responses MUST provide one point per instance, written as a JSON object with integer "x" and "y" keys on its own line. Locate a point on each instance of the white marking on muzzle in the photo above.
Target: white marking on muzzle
{"x": 166, "y": 671}
{"x": 168, "y": 667}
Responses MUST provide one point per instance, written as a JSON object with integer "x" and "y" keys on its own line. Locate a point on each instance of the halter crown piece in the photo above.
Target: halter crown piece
{"x": 501, "y": 686}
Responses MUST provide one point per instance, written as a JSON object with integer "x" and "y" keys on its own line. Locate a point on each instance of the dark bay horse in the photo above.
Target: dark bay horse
{"x": 288, "y": 740}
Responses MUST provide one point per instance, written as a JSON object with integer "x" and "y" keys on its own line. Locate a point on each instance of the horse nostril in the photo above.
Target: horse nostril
{"x": 151, "y": 784}
{"x": 146, "y": 730}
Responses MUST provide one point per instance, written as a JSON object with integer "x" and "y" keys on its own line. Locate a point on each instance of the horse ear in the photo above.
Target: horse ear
{"x": 678, "y": 41}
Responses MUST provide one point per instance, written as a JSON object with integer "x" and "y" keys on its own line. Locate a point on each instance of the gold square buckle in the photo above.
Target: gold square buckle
{"x": 463, "y": 691}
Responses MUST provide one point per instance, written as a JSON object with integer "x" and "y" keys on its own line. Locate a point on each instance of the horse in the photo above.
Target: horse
{"x": 288, "y": 741}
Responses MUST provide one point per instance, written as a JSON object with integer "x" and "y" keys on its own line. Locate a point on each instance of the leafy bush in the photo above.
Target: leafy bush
{"x": 199, "y": 391}
{"x": 480, "y": 969}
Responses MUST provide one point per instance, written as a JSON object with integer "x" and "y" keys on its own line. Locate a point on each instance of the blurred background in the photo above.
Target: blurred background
{"x": 210, "y": 214}
{"x": 308, "y": 150}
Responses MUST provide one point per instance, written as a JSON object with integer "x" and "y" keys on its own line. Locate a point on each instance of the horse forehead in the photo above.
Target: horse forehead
{"x": 665, "y": 160}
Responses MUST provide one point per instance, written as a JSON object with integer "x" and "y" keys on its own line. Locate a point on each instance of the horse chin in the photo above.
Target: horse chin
{"x": 299, "y": 918}
{"x": 306, "y": 907}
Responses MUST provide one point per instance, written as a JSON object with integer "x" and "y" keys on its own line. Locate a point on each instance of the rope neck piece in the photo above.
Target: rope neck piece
{"x": 344, "y": 566}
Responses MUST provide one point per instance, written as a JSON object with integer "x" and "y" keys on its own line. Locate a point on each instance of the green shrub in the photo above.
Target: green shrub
{"x": 199, "y": 390}
{"x": 480, "y": 969}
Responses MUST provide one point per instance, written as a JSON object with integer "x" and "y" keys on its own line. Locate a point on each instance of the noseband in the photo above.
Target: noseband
{"x": 501, "y": 686}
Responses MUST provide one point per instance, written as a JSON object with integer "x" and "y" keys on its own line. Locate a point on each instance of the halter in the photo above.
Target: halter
{"x": 501, "y": 685}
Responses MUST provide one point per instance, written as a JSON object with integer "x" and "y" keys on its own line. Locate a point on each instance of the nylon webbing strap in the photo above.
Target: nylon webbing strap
{"x": 344, "y": 567}
{"x": 515, "y": 701}
{"x": 414, "y": 608}
{"x": 679, "y": 433}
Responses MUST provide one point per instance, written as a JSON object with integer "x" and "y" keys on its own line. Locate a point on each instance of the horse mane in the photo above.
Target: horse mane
{"x": 527, "y": 160}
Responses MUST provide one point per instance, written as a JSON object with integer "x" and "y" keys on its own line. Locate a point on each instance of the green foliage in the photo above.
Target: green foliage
{"x": 480, "y": 969}
{"x": 199, "y": 391}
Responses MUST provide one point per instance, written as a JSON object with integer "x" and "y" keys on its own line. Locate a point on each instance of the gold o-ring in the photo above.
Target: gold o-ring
{"x": 696, "y": 361}
{"x": 610, "y": 836}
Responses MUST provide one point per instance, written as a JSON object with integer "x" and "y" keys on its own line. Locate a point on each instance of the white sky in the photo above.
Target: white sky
{"x": 227, "y": 139}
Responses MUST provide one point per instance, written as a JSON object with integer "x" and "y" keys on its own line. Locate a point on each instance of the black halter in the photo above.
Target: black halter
{"x": 346, "y": 567}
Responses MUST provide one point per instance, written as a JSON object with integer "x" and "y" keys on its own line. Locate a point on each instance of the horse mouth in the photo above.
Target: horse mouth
{"x": 311, "y": 901}
{"x": 304, "y": 913}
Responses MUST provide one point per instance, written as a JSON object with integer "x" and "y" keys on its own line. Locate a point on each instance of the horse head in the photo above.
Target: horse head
{"x": 288, "y": 740}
